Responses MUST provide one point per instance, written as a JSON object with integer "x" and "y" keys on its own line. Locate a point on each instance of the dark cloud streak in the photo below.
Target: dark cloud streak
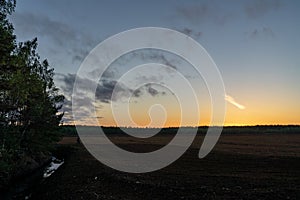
{"x": 104, "y": 90}
{"x": 190, "y": 32}
{"x": 265, "y": 32}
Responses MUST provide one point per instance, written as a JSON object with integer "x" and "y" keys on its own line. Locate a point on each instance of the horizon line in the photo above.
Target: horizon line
{"x": 201, "y": 126}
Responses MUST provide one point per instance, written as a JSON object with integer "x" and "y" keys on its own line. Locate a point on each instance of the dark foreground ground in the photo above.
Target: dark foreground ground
{"x": 244, "y": 166}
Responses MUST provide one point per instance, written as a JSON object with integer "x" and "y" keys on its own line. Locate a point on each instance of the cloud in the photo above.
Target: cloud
{"x": 217, "y": 13}
{"x": 82, "y": 103}
{"x": 104, "y": 90}
{"x": 265, "y": 32}
{"x": 233, "y": 102}
{"x": 61, "y": 34}
{"x": 82, "y": 113}
{"x": 212, "y": 12}
{"x": 204, "y": 12}
{"x": 258, "y": 8}
{"x": 30, "y": 24}
{"x": 104, "y": 94}
{"x": 66, "y": 83}
{"x": 162, "y": 58}
{"x": 147, "y": 56}
{"x": 108, "y": 73}
{"x": 190, "y": 32}
{"x": 107, "y": 87}
{"x": 152, "y": 91}
{"x": 84, "y": 94}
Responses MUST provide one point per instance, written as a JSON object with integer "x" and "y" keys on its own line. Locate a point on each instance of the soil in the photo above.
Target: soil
{"x": 244, "y": 166}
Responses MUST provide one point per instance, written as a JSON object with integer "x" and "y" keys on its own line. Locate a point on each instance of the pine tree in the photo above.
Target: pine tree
{"x": 29, "y": 100}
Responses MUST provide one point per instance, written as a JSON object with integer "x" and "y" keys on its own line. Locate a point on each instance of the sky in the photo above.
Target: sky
{"x": 255, "y": 45}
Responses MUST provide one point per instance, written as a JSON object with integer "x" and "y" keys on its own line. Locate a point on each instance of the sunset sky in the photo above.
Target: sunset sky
{"x": 255, "y": 44}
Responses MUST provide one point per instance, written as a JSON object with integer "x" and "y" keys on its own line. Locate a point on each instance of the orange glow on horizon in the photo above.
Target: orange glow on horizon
{"x": 260, "y": 109}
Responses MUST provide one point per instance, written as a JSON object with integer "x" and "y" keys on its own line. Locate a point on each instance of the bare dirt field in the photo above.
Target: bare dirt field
{"x": 243, "y": 166}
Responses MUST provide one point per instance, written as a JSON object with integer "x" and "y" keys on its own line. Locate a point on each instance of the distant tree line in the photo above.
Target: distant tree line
{"x": 29, "y": 99}
{"x": 70, "y": 130}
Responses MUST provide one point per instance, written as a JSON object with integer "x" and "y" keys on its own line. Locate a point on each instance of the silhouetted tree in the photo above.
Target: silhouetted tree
{"x": 29, "y": 99}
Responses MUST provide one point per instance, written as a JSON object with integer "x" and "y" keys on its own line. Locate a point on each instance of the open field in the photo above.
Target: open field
{"x": 241, "y": 166}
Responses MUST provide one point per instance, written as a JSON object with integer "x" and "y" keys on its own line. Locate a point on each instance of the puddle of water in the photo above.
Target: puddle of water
{"x": 52, "y": 167}
{"x": 23, "y": 188}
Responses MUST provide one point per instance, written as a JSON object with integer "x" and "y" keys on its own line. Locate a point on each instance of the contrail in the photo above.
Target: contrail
{"x": 233, "y": 102}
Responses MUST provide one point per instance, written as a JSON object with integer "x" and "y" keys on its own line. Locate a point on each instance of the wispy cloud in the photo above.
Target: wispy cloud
{"x": 103, "y": 94}
{"x": 204, "y": 12}
{"x": 190, "y": 32}
{"x": 104, "y": 91}
{"x": 147, "y": 56}
{"x": 233, "y": 102}
{"x": 265, "y": 32}
{"x": 59, "y": 33}
{"x": 213, "y": 13}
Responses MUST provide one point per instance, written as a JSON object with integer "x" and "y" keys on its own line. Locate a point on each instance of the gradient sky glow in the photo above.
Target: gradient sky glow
{"x": 255, "y": 45}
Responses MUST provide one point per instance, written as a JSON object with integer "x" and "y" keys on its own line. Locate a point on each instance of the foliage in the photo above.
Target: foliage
{"x": 29, "y": 99}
